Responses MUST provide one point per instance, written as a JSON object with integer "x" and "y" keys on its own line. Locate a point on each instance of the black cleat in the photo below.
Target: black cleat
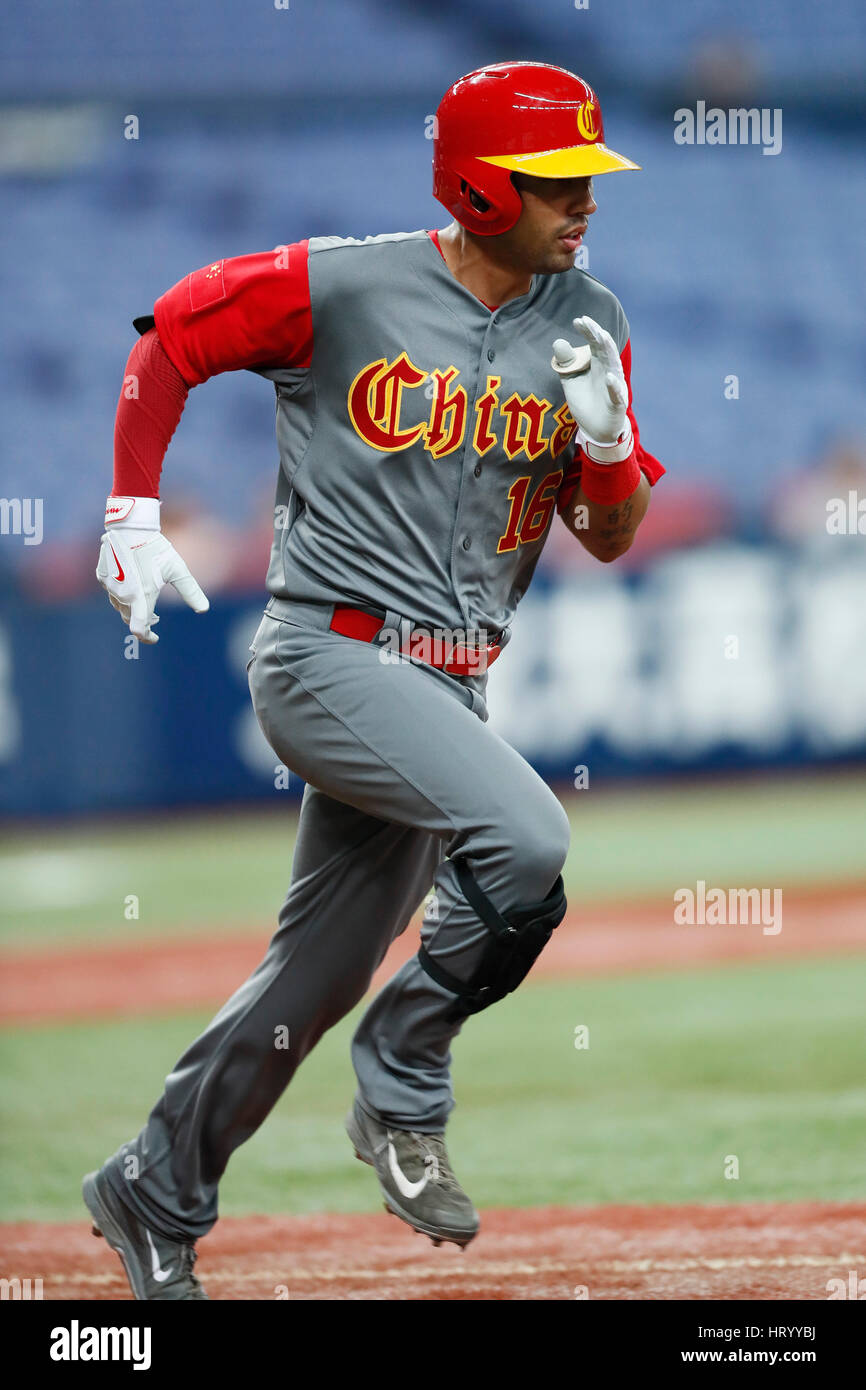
{"x": 155, "y": 1267}
{"x": 416, "y": 1178}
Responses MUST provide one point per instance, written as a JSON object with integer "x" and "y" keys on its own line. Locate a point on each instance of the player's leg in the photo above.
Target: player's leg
{"x": 403, "y": 747}
{"x": 408, "y": 741}
{"x": 462, "y": 967}
{"x": 402, "y": 1048}
{"x": 356, "y": 882}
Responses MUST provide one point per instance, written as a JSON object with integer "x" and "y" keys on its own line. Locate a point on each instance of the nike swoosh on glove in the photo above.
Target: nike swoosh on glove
{"x": 136, "y": 560}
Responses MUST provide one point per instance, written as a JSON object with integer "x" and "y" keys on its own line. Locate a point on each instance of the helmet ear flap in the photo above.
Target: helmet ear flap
{"x": 488, "y": 212}
{"x": 480, "y": 204}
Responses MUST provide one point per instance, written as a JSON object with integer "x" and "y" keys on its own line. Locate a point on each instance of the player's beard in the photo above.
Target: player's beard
{"x": 552, "y": 259}
{"x": 524, "y": 251}
{"x": 542, "y": 254}
{"x": 557, "y": 262}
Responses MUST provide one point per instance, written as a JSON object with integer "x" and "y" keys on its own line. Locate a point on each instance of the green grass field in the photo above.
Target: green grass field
{"x": 764, "y": 1062}
{"x": 681, "y": 1071}
{"x": 223, "y": 873}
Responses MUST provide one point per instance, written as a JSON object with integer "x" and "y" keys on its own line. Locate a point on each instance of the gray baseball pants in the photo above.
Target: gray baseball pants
{"x": 402, "y": 771}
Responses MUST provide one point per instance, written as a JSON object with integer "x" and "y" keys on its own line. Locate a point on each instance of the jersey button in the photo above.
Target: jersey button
{"x": 467, "y": 542}
{"x": 490, "y": 355}
{"x": 477, "y": 470}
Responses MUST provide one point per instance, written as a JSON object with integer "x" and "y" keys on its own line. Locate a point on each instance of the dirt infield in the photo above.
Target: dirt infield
{"x": 170, "y": 973}
{"x": 757, "y": 1251}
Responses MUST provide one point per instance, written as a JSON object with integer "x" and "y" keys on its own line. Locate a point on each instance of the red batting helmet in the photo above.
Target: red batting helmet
{"x": 514, "y": 117}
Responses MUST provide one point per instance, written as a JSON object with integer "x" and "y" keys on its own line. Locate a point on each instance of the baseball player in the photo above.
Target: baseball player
{"x": 440, "y": 395}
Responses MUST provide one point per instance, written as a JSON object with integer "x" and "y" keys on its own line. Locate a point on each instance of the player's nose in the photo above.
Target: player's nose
{"x": 582, "y": 204}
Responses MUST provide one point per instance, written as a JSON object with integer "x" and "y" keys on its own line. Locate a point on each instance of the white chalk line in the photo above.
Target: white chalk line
{"x": 493, "y": 1269}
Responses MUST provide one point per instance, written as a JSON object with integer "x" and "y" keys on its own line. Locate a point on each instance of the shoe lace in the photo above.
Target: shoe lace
{"x": 188, "y": 1257}
{"x": 436, "y": 1159}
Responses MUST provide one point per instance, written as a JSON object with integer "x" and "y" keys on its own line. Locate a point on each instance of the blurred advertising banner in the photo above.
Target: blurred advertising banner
{"x": 727, "y": 656}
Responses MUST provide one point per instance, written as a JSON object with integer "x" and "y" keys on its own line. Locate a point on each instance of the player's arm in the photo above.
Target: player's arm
{"x": 250, "y": 311}
{"x": 606, "y": 530}
{"x": 605, "y": 494}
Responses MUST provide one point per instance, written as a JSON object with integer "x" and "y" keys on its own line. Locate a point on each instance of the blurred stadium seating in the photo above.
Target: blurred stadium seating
{"x": 734, "y": 263}
{"x": 198, "y": 48}
{"x": 254, "y": 130}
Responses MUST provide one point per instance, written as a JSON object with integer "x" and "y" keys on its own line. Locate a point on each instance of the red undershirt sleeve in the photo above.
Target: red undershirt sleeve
{"x": 248, "y": 311}
{"x": 151, "y": 403}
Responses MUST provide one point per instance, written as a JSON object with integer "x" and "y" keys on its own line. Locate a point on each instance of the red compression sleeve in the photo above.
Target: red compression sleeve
{"x": 151, "y": 403}
{"x": 610, "y": 483}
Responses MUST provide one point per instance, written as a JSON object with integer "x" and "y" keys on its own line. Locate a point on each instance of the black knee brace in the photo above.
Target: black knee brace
{"x": 517, "y": 940}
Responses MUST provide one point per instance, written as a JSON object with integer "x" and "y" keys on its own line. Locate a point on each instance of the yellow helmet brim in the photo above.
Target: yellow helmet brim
{"x": 576, "y": 162}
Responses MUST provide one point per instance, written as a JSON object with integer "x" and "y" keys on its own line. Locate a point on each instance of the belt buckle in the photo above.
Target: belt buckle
{"x": 470, "y": 661}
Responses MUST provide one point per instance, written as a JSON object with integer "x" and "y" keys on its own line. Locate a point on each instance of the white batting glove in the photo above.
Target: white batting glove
{"x": 595, "y": 391}
{"x": 136, "y": 560}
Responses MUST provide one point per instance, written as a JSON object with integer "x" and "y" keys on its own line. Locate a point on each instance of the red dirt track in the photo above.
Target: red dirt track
{"x": 199, "y": 972}
{"x": 696, "y": 1252}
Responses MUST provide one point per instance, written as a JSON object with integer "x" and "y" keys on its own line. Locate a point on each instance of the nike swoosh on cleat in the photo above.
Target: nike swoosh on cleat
{"x": 407, "y": 1188}
{"x": 160, "y": 1275}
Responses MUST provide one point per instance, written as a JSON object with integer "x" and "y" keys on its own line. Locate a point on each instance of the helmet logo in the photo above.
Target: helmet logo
{"x": 586, "y": 122}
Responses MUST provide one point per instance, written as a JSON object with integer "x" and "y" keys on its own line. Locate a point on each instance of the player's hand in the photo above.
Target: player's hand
{"x": 596, "y": 393}
{"x": 136, "y": 560}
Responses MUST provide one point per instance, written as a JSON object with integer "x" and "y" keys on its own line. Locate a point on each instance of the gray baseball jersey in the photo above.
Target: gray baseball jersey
{"x": 424, "y": 439}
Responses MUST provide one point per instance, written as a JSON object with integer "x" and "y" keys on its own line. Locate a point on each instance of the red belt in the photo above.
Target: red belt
{"x": 459, "y": 660}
